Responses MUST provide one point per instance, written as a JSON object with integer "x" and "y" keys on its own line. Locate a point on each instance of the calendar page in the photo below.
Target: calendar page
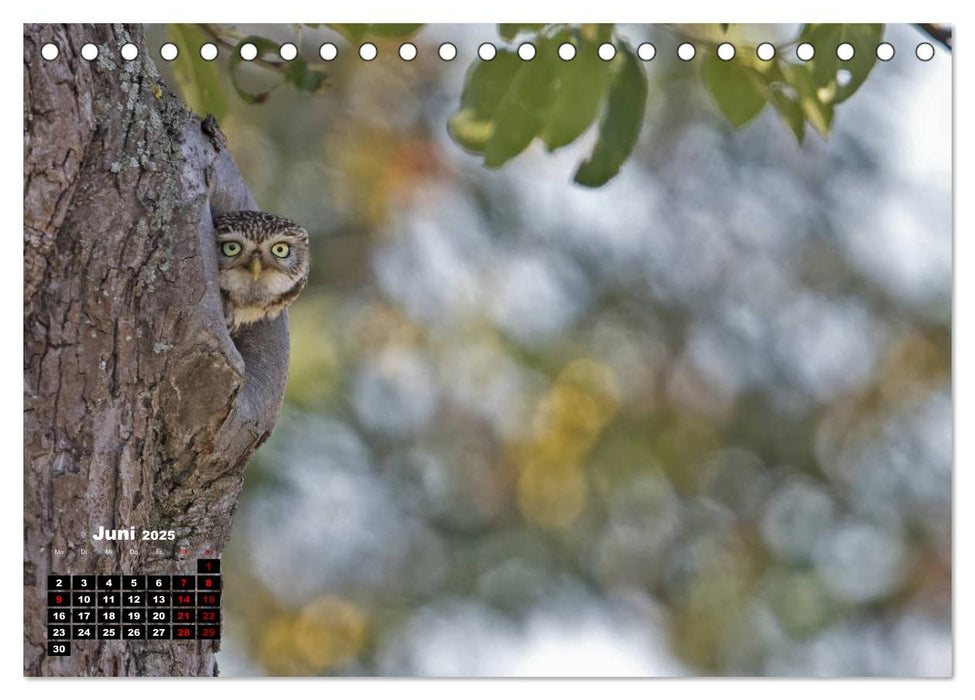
{"x": 487, "y": 350}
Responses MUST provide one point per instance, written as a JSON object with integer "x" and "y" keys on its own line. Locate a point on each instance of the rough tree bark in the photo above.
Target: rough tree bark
{"x": 139, "y": 409}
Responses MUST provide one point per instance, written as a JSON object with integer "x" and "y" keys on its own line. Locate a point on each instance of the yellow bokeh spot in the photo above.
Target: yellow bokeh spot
{"x": 314, "y": 368}
{"x": 568, "y": 420}
{"x": 377, "y": 326}
{"x": 552, "y": 495}
{"x": 570, "y": 417}
{"x": 327, "y": 633}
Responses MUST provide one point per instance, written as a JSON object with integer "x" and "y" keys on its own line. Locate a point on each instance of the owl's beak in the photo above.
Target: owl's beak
{"x": 255, "y": 267}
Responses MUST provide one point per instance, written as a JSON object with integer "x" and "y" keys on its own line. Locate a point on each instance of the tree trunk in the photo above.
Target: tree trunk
{"x": 139, "y": 409}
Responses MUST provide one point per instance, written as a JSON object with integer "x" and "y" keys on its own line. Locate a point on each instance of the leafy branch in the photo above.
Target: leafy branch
{"x": 507, "y": 103}
{"x": 202, "y": 82}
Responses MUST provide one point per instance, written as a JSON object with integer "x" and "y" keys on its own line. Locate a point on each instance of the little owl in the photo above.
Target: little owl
{"x": 263, "y": 261}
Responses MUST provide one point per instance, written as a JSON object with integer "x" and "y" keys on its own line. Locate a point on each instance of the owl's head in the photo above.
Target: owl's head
{"x": 260, "y": 250}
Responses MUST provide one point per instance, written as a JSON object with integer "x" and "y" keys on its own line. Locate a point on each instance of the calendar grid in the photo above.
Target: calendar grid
{"x": 133, "y": 608}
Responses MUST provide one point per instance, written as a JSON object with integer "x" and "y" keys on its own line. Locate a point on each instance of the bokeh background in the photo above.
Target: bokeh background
{"x": 696, "y": 421}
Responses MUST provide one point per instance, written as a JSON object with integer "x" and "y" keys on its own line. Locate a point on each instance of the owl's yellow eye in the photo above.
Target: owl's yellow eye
{"x": 281, "y": 250}
{"x": 230, "y": 248}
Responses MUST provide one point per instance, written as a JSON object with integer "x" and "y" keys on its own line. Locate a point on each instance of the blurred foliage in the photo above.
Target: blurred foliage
{"x": 508, "y": 102}
{"x": 358, "y": 32}
{"x": 801, "y": 92}
{"x": 298, "y": 72}
{"x": 200, "y": 82}
{"x": 697, "y": 420}
{"x": 567, "y": 422}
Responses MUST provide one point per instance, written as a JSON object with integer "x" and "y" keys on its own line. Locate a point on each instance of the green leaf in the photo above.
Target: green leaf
{"x": 505, "y": 104}
{"x": 620, "y": 125}
{"x": 471, "y": 132}
{"x": 472, "y": 126}
{"x": 784, "y": 97}
{"x": 352, "y": 32}
{"x": 525, "y": 106}
{"x": 357, "y": 32}
{"x": 816, "y": 102}
{"x": 864, "y": 38}
{"x": 581, "y": 85}
{"x": 509, "y": 31}
{"x": 791, "y": 112}
{"x": 392, "y": 31}
{"x": 598, "y": 33}
{"x": 200, "y": 83}
{"x": 304, "y": 77}
{"x": 735, "y": 88}
{"x": 826, "y": 65}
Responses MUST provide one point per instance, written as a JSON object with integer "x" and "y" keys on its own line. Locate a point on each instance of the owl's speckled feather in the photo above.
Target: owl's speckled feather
{"x": 258, "y": 281}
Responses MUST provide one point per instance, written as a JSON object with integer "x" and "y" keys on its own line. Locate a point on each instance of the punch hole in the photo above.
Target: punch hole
{"x": 248, "y": 52}
{"x": 407, "y": 51}
{"x": 567, "y": 51}
{"x": 288, "y": 51}
{"x": 328, "y": 51}
{"x": 606, "y": 51}
{"x": 49, "y": 52}
{"x": 368, "y": 51}
{"x": 765, "y": 51}
{"x": 487, "y": 51}
{"x": 168, "y": 51}
{"x": 646, "y": 51}
{"x": 89, "y": 52}
{"x": 129, "y": 52}
{"x": 208, "y": 52}
{"x": 845, "y": 51}
{"x": 447, "y": 51}
{"x": 526, "y": 51}
{"x": 805, "y": 51}
{"x": 885, "y": 51}
{"x": 726, "y": 51}
{"x": 924, "y": 51}
{"x": 686, "y": 51}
